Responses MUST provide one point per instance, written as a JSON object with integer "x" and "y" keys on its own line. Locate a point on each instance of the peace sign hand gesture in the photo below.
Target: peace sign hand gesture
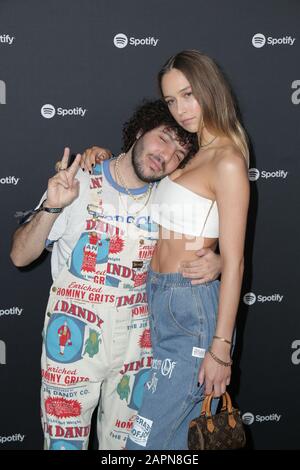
{"x": 63, "y": 188}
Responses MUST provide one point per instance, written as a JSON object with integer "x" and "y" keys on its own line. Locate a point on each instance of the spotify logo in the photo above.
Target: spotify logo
{"x": 248, "y": 418}
{"x": 258, "y": 40}
{"x": 253, "y": 174}
{"x": 120, "y": 40}
{"x": 249, "y": 298}
{"x": 48, "y": 111}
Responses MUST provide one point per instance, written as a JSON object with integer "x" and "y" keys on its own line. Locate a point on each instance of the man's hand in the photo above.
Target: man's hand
{"x": 92, "y": 156}
{"x": 63, "y": 188}
{"x": 207, "y": 268}
{"x": 29, "y": 240}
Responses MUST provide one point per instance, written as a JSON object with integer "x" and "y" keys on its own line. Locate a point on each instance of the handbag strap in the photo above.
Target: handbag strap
{"x": 226, "y": 406}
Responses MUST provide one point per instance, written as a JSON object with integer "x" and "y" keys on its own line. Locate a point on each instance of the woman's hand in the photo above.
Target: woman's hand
{"x": 92, "y": 156}
{"x": 215, "y": 376}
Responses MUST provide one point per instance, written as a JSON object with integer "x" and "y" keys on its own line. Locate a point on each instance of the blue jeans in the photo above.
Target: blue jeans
{"x": 182, "y": 320}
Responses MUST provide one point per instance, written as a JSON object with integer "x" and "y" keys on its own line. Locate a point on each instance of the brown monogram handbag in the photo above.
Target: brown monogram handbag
{"x": 221, "y": 431}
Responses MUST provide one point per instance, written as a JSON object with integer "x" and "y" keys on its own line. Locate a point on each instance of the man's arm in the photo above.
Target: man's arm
{"x": 29, "y": 240}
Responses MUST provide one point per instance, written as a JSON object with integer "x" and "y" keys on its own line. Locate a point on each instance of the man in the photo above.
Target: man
{"x": 103, "y": 239}
{"x": 64, "y": 337}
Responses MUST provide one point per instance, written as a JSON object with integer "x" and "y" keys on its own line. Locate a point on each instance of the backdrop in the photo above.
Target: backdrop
{"x": 71, "y": 72}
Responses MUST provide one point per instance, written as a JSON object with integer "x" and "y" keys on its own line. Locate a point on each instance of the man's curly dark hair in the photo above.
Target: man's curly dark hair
{"x": 152, "y": 114}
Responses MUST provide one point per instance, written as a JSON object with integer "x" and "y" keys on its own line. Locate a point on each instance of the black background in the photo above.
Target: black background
{"x": 63, "y": 54}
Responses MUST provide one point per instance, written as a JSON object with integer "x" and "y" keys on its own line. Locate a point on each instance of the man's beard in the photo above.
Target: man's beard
{"x": 137, "y": 151}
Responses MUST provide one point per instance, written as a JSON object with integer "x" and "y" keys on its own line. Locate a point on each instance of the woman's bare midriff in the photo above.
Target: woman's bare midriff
{"x": 174, "y": 248}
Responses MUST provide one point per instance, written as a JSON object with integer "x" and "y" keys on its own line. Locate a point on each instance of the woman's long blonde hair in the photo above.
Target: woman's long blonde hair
{"x": 213, "y": 93}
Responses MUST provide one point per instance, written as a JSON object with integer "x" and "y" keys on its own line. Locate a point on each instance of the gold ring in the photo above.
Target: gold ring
{"x": 58, "y": 167}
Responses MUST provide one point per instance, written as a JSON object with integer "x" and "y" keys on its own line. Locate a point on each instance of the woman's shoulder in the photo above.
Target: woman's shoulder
{"x": 229, "y": 158}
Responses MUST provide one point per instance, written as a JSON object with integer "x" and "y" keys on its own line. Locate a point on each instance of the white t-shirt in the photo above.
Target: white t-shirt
{"x": 69, "y": 225}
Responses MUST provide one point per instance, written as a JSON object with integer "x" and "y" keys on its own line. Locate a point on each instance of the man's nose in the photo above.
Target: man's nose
{"x": 167, "y": 152}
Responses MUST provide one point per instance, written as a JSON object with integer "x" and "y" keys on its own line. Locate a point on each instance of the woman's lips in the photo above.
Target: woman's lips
{"x": 187, "y": 121}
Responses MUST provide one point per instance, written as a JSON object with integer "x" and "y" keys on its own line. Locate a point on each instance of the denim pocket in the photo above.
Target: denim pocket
{"x": 186, "y": 311}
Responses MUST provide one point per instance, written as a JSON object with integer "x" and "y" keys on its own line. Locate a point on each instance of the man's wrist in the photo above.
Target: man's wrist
{"x": 45, "y": 206}
{"x": 52, "y": 210}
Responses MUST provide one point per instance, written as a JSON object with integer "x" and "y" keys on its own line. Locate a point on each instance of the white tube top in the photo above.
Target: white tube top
{"x": 179, "y": 209}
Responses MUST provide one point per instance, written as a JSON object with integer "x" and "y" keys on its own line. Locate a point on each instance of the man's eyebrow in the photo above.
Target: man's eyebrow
{"x": 170, "y": 133}
{"x": 174, "y": 136}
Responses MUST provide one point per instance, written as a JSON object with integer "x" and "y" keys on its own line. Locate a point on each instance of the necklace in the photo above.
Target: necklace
{"x": 205, "y": 145}
{"x": 120, "y": 180}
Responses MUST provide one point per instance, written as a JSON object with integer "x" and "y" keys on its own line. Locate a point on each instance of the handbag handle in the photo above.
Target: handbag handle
{"x": 226, "y": 406}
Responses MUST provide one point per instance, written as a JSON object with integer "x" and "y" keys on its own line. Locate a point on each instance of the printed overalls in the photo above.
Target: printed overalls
{"x": 97, "y": 346}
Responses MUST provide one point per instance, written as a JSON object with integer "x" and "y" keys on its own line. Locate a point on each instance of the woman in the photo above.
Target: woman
{"x": 192, "y": 325}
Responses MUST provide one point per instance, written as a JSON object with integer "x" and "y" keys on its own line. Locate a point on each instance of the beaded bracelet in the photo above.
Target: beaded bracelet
{"x": 218, "y": 360}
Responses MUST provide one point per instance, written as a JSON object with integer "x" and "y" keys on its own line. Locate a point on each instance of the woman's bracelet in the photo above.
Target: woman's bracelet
{"x": 222, "y": 339}
{"x": 218, "y": 360}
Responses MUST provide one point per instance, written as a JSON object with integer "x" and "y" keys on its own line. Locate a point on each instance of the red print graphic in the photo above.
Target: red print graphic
{"x": 116, "y": 244}
{"x": 96, "y": 182}
{"x": 140, "y": 279}
{"x": 62, "y": 408}
{"x": 145, "y": 339}
{"x": 64, "y": 337}
{"x": 90, "y": 254}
